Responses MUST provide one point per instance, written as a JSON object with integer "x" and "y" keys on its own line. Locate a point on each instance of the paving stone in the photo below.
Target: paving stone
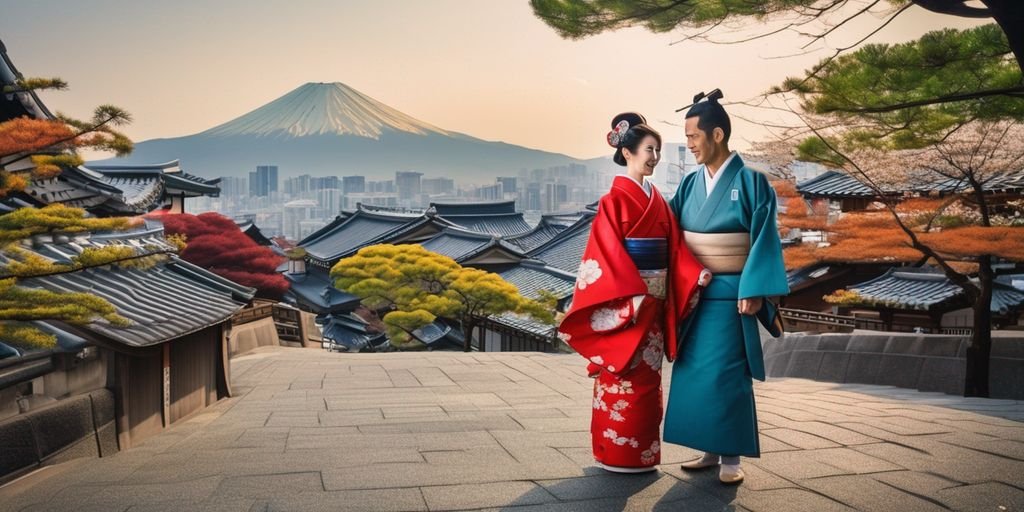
{"x": 796, "y": 466}
{"x": 449, "y": 497}
{"x": 985, "y": 496}
{"x": 384, "y": 500}
{"x": 852, "y": 461}
{"x": 799, "y": 439}
{"x": 922, "y": 484}
{"x": 863, "y": 493}
{"x": 510, "y": 431}
{"x": 792, "y": 500}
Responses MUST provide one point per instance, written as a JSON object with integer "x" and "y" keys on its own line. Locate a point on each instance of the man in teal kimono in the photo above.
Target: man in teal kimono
{"x": 727, "y": 213}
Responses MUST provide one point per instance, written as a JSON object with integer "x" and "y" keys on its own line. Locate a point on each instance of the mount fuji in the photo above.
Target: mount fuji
{"x": 332, "y": 129}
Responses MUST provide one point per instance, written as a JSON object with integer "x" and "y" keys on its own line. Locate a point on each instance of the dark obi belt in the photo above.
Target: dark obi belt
{"x": 648, "y": 253}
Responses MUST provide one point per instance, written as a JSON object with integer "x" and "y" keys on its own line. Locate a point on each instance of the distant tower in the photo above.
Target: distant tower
{"x": 408, "y": 185}
{"x": 263, "y": 182}
{"x": 353, "y": 184}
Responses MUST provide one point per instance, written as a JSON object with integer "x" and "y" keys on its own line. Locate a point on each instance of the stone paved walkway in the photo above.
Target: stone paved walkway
{"x": 310, "y": 430}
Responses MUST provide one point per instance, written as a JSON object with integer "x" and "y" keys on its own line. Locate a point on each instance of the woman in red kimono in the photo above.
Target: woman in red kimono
{"x": 636, "y": 281}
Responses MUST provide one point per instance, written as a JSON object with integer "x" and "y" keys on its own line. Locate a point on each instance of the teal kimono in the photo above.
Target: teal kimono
{"x": 711, "y": 400}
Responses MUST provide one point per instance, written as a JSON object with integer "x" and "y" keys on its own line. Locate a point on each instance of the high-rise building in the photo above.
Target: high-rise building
{"x": 353, "y": 184}
{"x": 295, "y": 212}
{"x": 508, "y": 184}
{"x": 233, "y": 186}
{"x": 263, "y": 181}
{"x": 408, "y": 185}
{"x": 325, "y": 182}
{"x": 555, "y": 195}
{"x": 298, "y": 186}
{"x": 330, "y": 202}
{"x": 437, "y": 186}
{"x": 491, "y": 192}
{"x": 532, "y": 200}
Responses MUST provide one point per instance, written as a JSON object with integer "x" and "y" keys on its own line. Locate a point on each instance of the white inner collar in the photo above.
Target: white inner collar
{"x": 645, "y": 185}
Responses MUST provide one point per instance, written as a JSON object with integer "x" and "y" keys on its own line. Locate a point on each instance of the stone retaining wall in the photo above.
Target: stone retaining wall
{"x": 916, "y": 361}
{"x": 80, "y": 426}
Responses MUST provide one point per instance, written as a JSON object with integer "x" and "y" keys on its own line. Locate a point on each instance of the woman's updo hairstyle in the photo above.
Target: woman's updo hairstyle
{"x": 628, "y": 129}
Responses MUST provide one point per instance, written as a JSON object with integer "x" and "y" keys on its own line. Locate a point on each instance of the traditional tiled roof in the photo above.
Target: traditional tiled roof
{"x": 842, "y": 185}
{"x": 477, "y": 208}
{"x": 101, "y": 189}
{"x": 349, "y": 331}
{"x": 532, "y": 276}
{"x": 359, "y": 230}
{"x": 169, "y": 300}
{"x": 925, "y": 289}
{"x": 369, "y": 225}
{"x": 834, "y": 184}
{"x": 315, "y": 290}
{"x": 251, "y": 230}
{"x": 17, "y": 104}
{"x": 327, "y": 228}
{"x": 462, "y": 245}
{"x": 565, "y": 250}
{"x": 805, "y": 276}
{"x": 525, "y": 324}
{"x": 548, "y": 227}
{"x": 493, "y": 218}
{"x": 175, "y": 180}
{"x": 501, "y": 224}
{"x": 66, "y": 343}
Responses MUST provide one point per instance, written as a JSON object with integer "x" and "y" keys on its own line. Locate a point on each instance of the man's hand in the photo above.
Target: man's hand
{"x": 749, "y": 306}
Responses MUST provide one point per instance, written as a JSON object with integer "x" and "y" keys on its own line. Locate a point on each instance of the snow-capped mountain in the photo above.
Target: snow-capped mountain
{"x": 323, "y": 109}
{"x": 333, "y": 129}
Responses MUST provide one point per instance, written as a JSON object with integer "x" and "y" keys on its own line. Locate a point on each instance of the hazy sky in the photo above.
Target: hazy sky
{"x": 485, "y": 68}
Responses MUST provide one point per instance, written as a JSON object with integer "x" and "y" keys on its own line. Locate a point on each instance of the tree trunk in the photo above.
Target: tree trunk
{"x": 1009, "y": 14}
{"x": 980, "y": 349}
{"x": 467, "y": 333}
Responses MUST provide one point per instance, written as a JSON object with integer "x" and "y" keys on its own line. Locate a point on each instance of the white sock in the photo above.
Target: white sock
{"x": 710, "y": 457}
{"x": 732, "y": 468}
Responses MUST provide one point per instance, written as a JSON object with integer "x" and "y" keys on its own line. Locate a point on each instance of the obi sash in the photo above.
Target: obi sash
{"x": 648, "y": 253}
{"x": 726, "y": 253}
{"x": 721, "y": 253}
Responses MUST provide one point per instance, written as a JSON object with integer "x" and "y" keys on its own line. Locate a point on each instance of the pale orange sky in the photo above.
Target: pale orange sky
{"x": 489, "y": 69}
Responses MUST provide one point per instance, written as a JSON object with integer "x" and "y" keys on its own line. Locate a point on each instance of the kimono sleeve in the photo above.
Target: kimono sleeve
{"x": 764, "y": 274}
{"x": 606, "y": 322}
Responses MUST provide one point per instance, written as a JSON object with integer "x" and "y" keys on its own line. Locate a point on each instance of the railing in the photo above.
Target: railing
{"x": 872, "y": 324}
{"x": 817, "y": 317}
{"x": 260, "y": 309}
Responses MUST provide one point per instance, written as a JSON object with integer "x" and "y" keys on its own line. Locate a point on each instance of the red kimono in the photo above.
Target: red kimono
{"x": 624, "y": 321}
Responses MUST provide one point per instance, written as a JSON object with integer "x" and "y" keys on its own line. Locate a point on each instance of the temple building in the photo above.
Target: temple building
{"x": 490, "y": 236}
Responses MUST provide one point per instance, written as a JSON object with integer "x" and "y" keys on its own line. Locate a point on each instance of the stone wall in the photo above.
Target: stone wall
{"x": 80, "y": 426}
{"x": 916, "y": 361}
{"x": 247, "y": 336}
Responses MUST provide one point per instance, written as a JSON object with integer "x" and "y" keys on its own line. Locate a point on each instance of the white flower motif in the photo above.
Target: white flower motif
{"x": 616, "y": 416}
{"x": 654, "y": 353}
{"x": 649, "y": 456}
{"x": 589, "y": 272}
{"x": 620, "y": 441}
{"x": 606, "y": 319}
{"x": 599, "y": 403}
{"x": 626, "y": 387}
{"x": 597, "y": 360}
{"x": 564, "y": 336}
{"x": 611, "y": 368}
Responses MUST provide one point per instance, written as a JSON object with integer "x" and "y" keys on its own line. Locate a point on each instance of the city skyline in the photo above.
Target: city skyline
{"x": 514, "y": 81}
